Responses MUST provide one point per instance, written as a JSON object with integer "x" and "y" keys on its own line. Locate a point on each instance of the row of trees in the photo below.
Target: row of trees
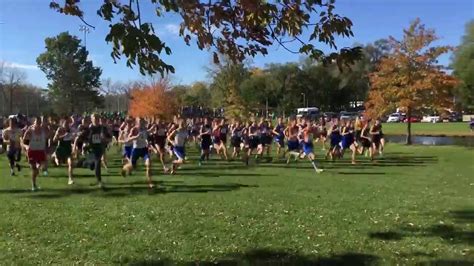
{"x": 17, "y": 96}
{"x": 243, "y": 89}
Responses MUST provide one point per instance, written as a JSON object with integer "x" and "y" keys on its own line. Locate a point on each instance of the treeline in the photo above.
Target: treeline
{"x": 281, "y": 88}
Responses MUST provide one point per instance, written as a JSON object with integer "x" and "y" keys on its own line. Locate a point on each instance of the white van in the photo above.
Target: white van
{"x": 307, "y": 112}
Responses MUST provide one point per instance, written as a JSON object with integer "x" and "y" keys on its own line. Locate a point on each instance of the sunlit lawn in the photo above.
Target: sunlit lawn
{"x": 414, "y": 205}
{"x": 448, "y": 129}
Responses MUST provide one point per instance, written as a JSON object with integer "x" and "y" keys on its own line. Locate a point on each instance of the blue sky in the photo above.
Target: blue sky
{"x": 24, "y": 24}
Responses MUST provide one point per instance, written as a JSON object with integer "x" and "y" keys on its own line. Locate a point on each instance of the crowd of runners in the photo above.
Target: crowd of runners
{"x": 83, "y": 141}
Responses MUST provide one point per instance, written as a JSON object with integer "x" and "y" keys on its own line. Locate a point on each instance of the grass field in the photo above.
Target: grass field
{"x": 416, "y": 205}
{"x": 447, "y": 129}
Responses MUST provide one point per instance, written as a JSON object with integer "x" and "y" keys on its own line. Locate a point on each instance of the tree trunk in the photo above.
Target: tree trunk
{"x": 409, "y": 126}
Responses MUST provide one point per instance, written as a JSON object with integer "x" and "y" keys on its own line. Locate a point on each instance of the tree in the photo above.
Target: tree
{"x": 463, "y": 65}
{"x": 237, "y": 29}
{"x": 154, "y": 100}
{"x": 225, "y": 87}
{"x": 115, "y": 94}
{"x": 10, "y": 80}
{"x": 74, "y": 81}
{"x": 198, "y": 95}
{"x": 410, "y": 78}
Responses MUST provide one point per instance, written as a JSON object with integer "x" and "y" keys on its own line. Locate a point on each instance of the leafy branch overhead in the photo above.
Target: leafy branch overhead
{"x": 235, "y": 28}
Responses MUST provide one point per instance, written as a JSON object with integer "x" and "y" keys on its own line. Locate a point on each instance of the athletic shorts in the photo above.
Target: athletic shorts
{"x": 223, "y": 138}
{"x": 266, "y": 140}
{"x": 365, "y": 143}
{"x": 376, "y": 140}
{"x": 235, "y": 141}
{"x": 63, "y": 152}
{"x": 115, "y": 134}
{"x": 127, "y": 152}
{"x": 36, "y": 157}
{"x": 254, "y": 142}
{"x": 280, "y": 141}
{"x": 205, "y": 144}
{"x": 216, "y": 140}
{"x": 335, "y": 140}
{"x": 160, "y": 141}
{"x": 293, "y": 145}
{"x": 139, "y": 153}
{"x": 307, "y": 147}
{"x": 346, "y": 143}
{"x": 179, "y": 152}
{"x": 14, "y": 154}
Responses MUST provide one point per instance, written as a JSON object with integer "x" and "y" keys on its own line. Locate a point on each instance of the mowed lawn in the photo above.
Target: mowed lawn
{"x": 416, "y": 205}
{"x": 435, "y": 129}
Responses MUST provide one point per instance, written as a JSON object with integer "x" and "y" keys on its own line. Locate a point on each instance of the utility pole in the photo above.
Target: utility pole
{"x": 86, "y": 30}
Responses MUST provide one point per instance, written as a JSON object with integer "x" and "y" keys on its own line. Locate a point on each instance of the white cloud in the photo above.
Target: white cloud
{"x": 172, "y": 28}
{"x": 19, "y": 65}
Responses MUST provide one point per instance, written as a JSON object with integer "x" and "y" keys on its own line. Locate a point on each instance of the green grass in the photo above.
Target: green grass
{"x": 415, "y": 205}
{"x": 448, "y": 129}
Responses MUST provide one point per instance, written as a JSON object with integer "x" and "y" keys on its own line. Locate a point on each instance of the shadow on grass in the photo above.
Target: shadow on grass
{"x": 452, "y": 234}
{"x": 120, "y": 191}
{"x": 463, "y": 216}
{"x": 441, "y": 262}
{"x": 269, "y": 257}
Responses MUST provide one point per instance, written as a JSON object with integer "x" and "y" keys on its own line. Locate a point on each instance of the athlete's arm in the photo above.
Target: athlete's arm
{"x": 134, "y": 134}
{"x": 26, "y": 138}
{"x": 171, "y": 135}
{"x": 6, "y": 135}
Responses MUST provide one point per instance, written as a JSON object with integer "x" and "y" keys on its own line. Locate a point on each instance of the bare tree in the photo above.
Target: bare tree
{"x": 10, "y": 79}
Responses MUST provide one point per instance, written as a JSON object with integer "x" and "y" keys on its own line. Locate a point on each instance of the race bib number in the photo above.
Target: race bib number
{"x": 96, "y": 139}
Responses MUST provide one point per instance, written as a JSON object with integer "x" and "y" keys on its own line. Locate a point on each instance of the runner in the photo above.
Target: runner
{"x": 365, "y": 140}
{"x": 347, "y": 134}
{"x": 178, "y": 137}
{"x": 97, "y": 140}
{"x": 279, "y": 133}
{"x": 253, "y": 132}
{"x": 35, "y": 141}
{"x": 236, "y": 138}
{"x": 266, "y": 137}
{"x": 12, "y": 137}
{"x": 334, "y": 138}
{"x": 139, "y": 137}
{"x": 63, "y": 153}
{"x": 308, "y": 136}
{"x": 375, "y": 133}
{"x": 159, "y": 142}
{"x": 217, "y": 141}
{"x": 206, "y": 141}
{"x": 291, "y": 134}
{"x": 127, "y": 144}
{"x": 323, "y": 133}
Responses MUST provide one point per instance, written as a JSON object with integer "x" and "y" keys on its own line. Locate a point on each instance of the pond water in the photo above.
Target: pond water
{"x": 426, "y": 140}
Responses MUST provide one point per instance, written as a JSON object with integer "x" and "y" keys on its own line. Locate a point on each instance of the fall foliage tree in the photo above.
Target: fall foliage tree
{"x": 153, "y": 100}
{"x": 410, "y": 78}
{"x": 237, "y": 29}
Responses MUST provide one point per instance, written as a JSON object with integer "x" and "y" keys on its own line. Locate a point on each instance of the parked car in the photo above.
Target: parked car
{"x": 348, "y": 115}
{"x": 454, "y": 117}
{"x": 413, "y": 119}
{"x": 395, "y": 118}
{"x": 431, "y": 119}
{"x": 329, "y": 115}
